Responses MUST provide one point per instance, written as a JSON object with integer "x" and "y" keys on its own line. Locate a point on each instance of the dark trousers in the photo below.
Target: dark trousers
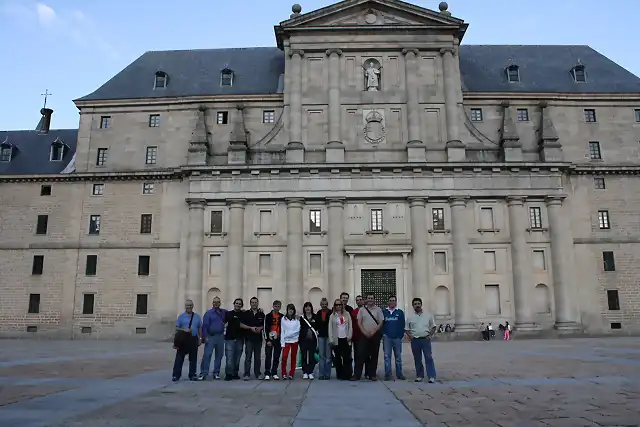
{"x": 272, "y": 357}
{"x": 191, "y": 349}
{"x": 308, "y": 349}
{"x": 342, "y": 359}
{"x": 367, "y": 353}
{"x": 252, "y": 350}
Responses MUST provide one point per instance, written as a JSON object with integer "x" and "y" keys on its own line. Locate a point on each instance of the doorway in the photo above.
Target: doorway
{"x": 381, "y": 283}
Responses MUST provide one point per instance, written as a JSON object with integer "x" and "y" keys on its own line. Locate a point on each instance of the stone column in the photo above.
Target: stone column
{"x": 455, "y": 148}
{"x": 335, "y": 257}
{"x": 193, "y": 290}
{"x": 335, "y": 146}
{"x": 295, "y": 257}
{"x": 416, "y": 149}
{"x": 561, "y": 264}
{"x": 419, "y": 255}
{"x": 521, "y": 265}
{"x": 295, "y": 149}
{"x": 464, "y": 320}
{"x": 235, "y": 252}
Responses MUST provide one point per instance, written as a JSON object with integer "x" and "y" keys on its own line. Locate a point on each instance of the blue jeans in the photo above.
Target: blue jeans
{"x": 324, "y": 348}
{"x": 214, "y": 343}
{"x": 422, "y": 347}
{"x": 388, "y": 345}
{"x": 232, "y": 354}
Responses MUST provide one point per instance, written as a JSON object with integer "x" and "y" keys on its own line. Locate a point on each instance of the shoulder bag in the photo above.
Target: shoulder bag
{"x": 316, "y": 352}
{"x": 181, "y": 338}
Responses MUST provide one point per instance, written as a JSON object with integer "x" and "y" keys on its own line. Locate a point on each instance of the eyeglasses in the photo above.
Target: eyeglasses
{"x": 337, "y": 305}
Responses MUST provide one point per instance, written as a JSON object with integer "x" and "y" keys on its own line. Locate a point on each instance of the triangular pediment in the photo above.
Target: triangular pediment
{"x": 357, "y": 13}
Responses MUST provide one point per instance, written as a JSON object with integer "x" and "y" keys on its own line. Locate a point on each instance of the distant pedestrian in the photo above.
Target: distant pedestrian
{"x": 492, "y": 332}
{"x": 213, "y": 339}
{"x": 289, "y": 341}
{"x": 187, "y": 341}
{"x": 272, "y": 349}
{"x": 507, "y": 331}
{"x": 340, "y": 335}
{"x": 392, "y": 334}
{"x": 420, "y": 328}
{"x": 323, "y": 317}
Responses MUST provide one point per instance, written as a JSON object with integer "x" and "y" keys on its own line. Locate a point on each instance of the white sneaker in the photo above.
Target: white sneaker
{"x": 310, "y": 376}
{"x": 275, "y": 377}
{"x": 267, "y": 377}
{"x": 305, "y": 377}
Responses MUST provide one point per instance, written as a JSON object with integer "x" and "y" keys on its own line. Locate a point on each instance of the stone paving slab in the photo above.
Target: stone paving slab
{"x": 17, "y": 393}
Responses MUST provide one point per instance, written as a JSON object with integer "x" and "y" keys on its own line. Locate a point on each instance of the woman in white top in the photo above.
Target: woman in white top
{"x": 289, "y": 335}
{"x": 340, "y": 334}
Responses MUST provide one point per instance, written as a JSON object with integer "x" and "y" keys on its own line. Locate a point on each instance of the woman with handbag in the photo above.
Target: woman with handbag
{"x": 308, "y": 340}
{"x": 186, "y": 341}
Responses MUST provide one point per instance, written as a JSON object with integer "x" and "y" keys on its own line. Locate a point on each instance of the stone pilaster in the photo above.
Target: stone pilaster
{"x": 561, "y": 248}
{"x": 193, "y": 290}
{"x": 295, "y": 148}
{"x": 455, "y": 148}
{"x": 199, "y": 147}
{"x": 419, "y": 253}
{"x": 235, "y": 252}
{"x": 521, "y": 265}
{"x": 549, "y": 145}
{"x": 464, "y": 319}
{"x": 238, "y": 151}
{"x": 510, "y": 146}
{"x": 295, "y": 256}
{"x": 335, "y": 257}
{"x": 335, "y": 146}
{"x": 416, "y": 150}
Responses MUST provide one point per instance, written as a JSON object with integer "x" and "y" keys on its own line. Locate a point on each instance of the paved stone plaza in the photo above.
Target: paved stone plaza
{"x": 576, "y": 382}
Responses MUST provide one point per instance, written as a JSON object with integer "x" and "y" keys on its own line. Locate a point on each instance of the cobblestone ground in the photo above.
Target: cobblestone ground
{"x": 577, "y": 382}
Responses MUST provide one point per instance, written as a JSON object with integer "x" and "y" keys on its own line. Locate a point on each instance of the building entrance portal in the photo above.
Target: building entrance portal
{"x": 381, "y": 283}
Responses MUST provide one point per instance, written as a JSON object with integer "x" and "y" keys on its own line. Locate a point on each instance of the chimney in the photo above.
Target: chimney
{"x": 45, "y": 121}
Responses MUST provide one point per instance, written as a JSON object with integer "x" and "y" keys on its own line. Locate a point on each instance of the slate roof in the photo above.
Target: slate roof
{"x": 31, "y": 150}
{"x": 258, "y": 70}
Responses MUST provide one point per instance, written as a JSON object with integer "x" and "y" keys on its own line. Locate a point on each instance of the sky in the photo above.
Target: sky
{"x": 71, "y": 47}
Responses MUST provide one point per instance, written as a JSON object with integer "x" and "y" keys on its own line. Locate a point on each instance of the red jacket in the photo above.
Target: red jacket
{"x": 357, "y": 334}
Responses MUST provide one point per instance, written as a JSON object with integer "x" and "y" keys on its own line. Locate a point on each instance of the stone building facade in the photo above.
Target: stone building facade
{"x": 369, "y": 151}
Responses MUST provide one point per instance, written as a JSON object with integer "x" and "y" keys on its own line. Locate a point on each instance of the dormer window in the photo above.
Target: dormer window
{"x": 513, "y": 73}
{"x": 57, "y": 151}
{"x": 161, "y": 80}
{"x": 6, "y": 150}
{"x": 579, "y": 74}
{"x": 226, "y": 77}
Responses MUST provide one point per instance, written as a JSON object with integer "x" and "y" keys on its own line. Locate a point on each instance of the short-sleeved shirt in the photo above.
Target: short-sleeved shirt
{"x": 368, "y": 324}
{"x": 233, "y": 320}
{"x": 420, "y": 325}
{"x": 183, "y": 322}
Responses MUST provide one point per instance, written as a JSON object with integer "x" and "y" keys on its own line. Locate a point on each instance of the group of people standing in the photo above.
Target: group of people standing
{"x": 334, "y": 336}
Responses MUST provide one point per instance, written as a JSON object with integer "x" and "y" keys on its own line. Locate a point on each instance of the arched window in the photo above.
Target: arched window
{"x": 542, "y": 299}
{"x": 442, "y": 301}
{"x": 6, "y": 151}
{"x": 161, "y": 80}
{"x": 513, "y": 73}
{"x": 579, "y": 73}
{"x": 58, "y": 150}
{"x": 226, "y": 77}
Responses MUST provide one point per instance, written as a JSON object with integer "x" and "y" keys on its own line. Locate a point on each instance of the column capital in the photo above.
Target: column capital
{"x": 554, "y": 200}
{"x": 446, "y": 50}
{"x": 336, "y": 202}
{"x": 406, "y": 52}
{"x": 196, "y": 203}
{"x": 417, "y": 201}
{"x": 293, "y": 52}
{"x": 332, "y": 51}
{"x": 458, "y": 201}
{"x": 236, "y": 203}
{"x": 516, "y": 200}
{"x": 294, "y": 203}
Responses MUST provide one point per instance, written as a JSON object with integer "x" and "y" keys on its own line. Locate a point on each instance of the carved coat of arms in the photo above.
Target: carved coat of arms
{"x": 374, "y": 129}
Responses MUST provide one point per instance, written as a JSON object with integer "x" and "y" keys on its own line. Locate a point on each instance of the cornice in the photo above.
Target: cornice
{"x": 552, "y": 96}
{"x": 145, "y": 102}
{"x": 156, "y": 175}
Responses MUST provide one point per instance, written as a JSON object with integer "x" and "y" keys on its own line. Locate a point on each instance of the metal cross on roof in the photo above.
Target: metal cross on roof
{"x": 46, "y": 95}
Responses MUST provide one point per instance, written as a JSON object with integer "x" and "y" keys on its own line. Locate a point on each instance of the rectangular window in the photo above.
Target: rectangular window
{"x": 216, "y": 222}
{"x": 264, "y": 264}
{"x": 91, "y": 266}
{"x": 42, "y": 224}
{"x": 265, "y": 221}
{"x": 523, "y": 115}
{"x": 105, "y": 122}
{"x": 613, "y": 301}
{"x": 486, "y": 219}
{"x": 94, "y": 224}
{"x": 603, "y": 220}
{"x": 376, "y": 220}
{"x": 5, "y": 153}
{"x": 142, "y": 301}
{"x": 88, "y": 301}
{"x": 315, "y": 264}
{"x": 45, "y": 190}
{"x": 315, "y": 226}
{"x": 514, "y": 74}
{"x": 594, "y": 151}
{"x": 97, "y": 189}
{"x": 215, "y": 264}
{"x": 476, "y": 114}
{"x": 590, "y": 115}
{"x": 535, "y": 217}
{"x": 101, "y": 158}
{"x": 152, "y": 156}
{"x": 608, "y": 261}
{"x": 637, "y": 113}
{"x": 539, "y": 260}
{"x": 145, "y": 223}
{"x": 148, "y": 188}
{"x": 598, "y": 183}
{"x": 57, "y": 152}
{"x": 144, "y": 262}
{"x": 492, "y": 299}
{"x": 440, "y": 261}
{"x": 222, "y": 117}
{"x": 268, "y": 116}
{"x": 437, "y": 215}
{"x": 154, "y": 120}
{"x": 489, "y": 261}
{"x": 34, "y": 304}
{"x": 38, "y": 265}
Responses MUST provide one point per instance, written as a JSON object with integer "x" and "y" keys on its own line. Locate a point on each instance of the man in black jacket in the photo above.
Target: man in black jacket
{"x": 254, "y": 321}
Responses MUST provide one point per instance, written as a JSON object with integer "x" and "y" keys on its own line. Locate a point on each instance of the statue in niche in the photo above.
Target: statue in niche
{"x": 372, "y": 75}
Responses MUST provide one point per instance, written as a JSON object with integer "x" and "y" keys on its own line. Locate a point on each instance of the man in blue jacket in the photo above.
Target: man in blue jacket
{"x": 213, "y": 338}
{"x": 392, "y": 334}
